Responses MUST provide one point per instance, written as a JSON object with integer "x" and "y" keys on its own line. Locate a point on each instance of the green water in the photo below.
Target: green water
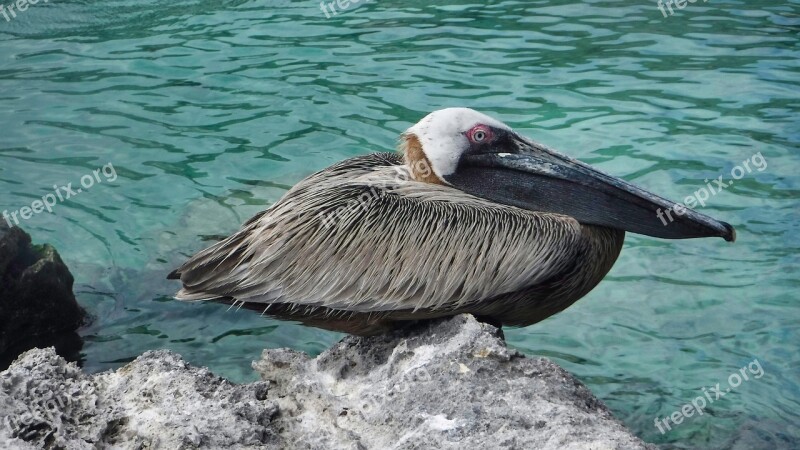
{"x": 210, "y": 111}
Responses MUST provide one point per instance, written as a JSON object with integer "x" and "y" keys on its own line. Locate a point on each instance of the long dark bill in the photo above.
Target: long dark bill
{"x": 536, "y": 178}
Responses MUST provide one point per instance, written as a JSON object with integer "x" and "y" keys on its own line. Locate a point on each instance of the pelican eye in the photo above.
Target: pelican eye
{"x": 479, "y": 134}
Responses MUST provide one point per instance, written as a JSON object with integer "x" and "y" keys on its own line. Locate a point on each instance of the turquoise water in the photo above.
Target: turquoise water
{"x": 209, "y": 112}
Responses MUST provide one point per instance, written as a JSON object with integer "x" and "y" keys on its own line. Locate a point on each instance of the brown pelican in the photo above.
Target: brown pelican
{"x": 468, "y": 217}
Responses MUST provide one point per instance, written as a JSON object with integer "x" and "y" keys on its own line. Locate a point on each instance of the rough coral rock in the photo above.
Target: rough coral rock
{"x": 37, "y": 306}
{"x": 448, "y": 385}
{"x": 157, "y": 401}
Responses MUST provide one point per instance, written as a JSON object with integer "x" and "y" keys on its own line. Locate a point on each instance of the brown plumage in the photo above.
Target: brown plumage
{"x": 377, "y": 241}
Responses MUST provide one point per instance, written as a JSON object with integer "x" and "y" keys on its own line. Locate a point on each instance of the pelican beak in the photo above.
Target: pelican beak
{"x": 528, "y": 175}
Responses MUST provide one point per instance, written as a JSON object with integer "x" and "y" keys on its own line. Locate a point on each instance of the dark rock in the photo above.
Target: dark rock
{"x": 37, "y": 306}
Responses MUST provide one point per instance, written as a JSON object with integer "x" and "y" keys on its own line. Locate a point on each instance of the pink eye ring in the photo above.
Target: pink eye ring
{"x": 479, "y": 134}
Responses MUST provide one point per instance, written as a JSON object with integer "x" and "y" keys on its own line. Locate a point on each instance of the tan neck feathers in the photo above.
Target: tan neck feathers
{"x": 418, "y": 164}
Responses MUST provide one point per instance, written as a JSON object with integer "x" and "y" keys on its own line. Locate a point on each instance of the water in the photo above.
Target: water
{"x": 208, "y": 112}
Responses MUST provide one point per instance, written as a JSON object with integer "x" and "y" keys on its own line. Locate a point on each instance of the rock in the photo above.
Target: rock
{"x": 451, "y": 384}
{"x": 157, "y": 401}
{"x": 37, "y": 306}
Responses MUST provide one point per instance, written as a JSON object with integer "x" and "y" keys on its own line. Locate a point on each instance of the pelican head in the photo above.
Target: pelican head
{"x": 472, "y": 152}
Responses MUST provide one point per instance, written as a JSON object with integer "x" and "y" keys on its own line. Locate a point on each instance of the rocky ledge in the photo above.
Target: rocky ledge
{"x": 450, "y": 384}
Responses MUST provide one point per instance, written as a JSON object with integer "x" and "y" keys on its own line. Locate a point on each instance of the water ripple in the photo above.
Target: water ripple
{"x": 209, "y": 112}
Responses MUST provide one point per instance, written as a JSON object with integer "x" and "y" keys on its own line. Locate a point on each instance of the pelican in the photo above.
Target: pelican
{"x": 467, "y": 217}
